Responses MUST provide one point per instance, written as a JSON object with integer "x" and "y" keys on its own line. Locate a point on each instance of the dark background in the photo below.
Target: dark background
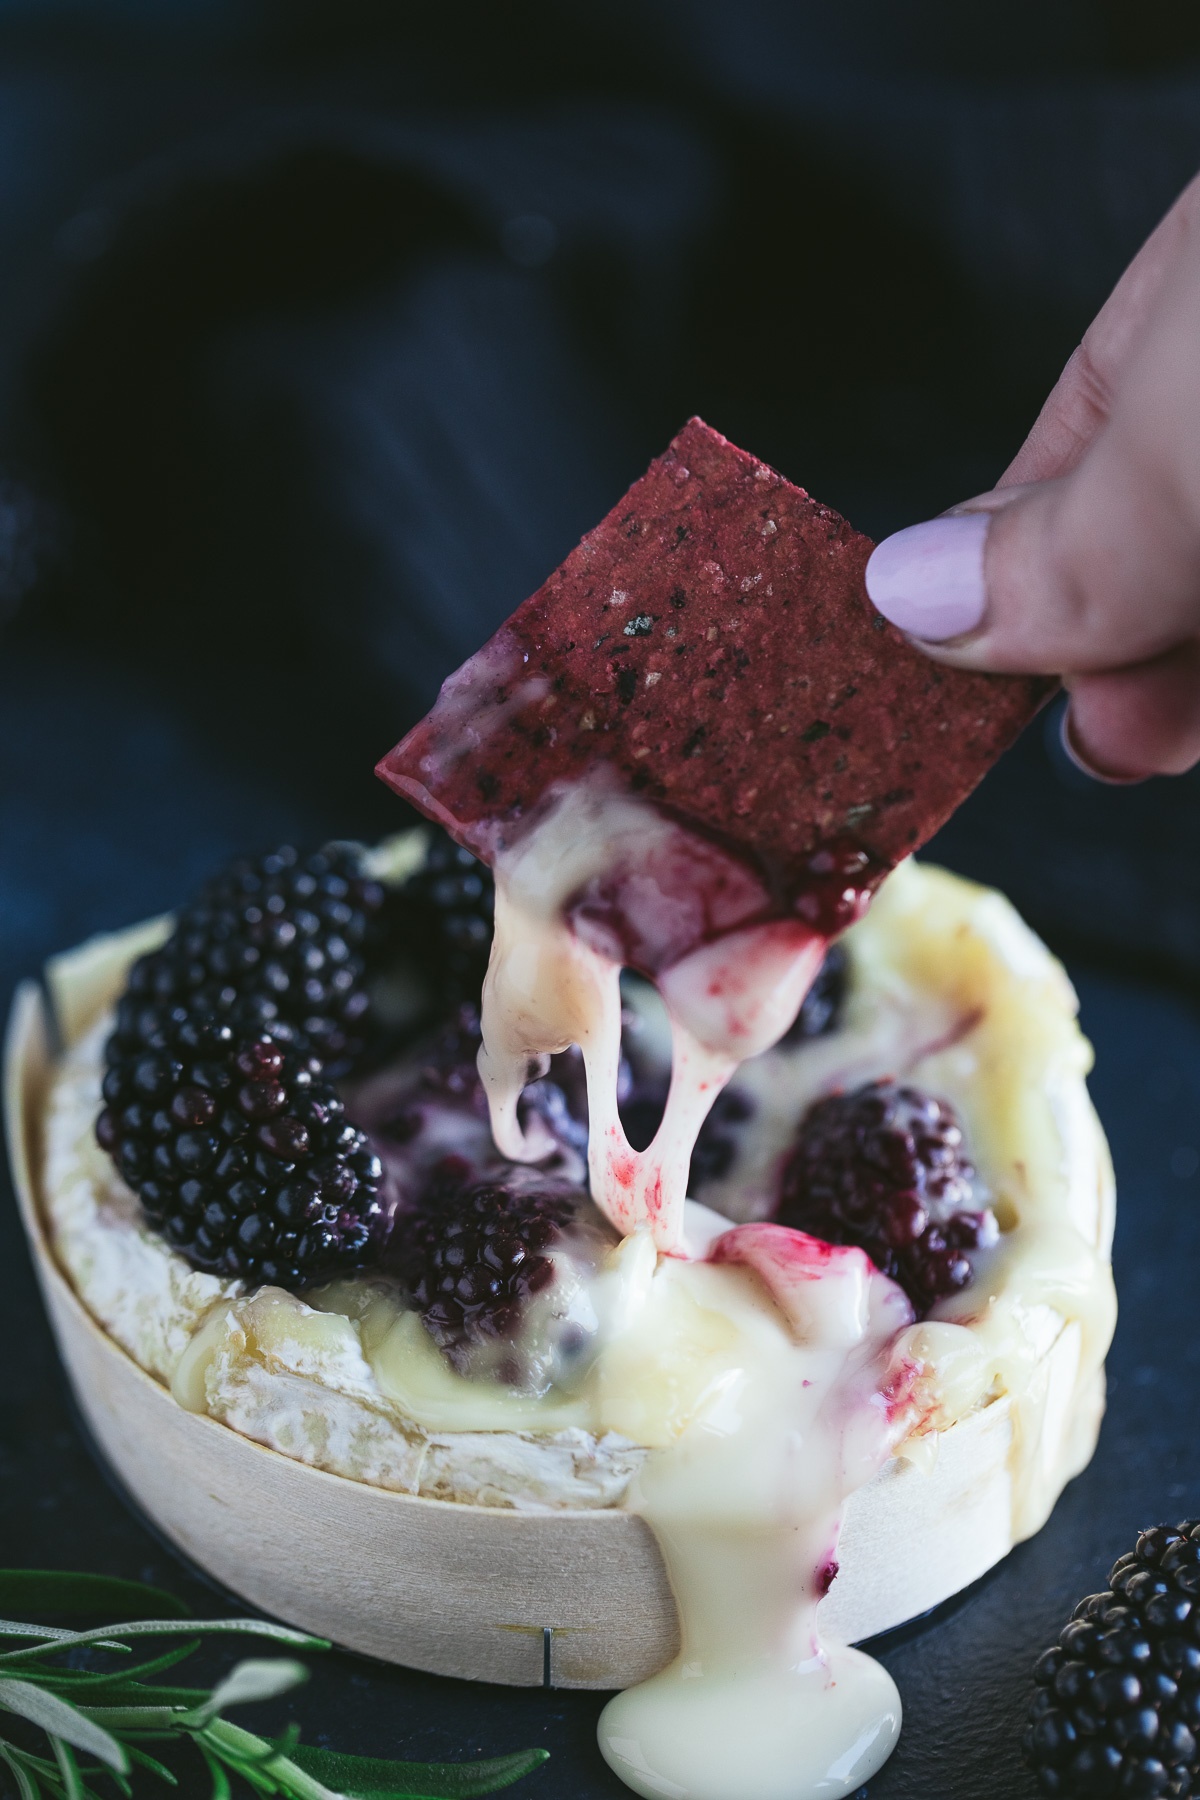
{"x": 326, "y": 328}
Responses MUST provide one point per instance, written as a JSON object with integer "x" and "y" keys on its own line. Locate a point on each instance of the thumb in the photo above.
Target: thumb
{"x": 1092, "y": 571}
{"x": 1095, "y": 577}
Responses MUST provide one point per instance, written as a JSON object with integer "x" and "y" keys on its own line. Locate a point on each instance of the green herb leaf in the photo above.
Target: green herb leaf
{"x": 48, "y": 1636}
{"x": 149, "y": 1693}
{"x": 144, "y": 1760}
{"x": 281, "y": 1634}
{"x": 371, "y": 1776}
{"x": 134, "y": 1718}
{"x": 256, "y": 1760}
{"x": 61, "y": 1720}
{"x": 221, "y": 1789}
{"x": 93, "y": 1679}
{"x": 106, "y": 1597}
{"x": 69, "y": 1769}
{"x": 26, "y": 1787}
{"x": 140, "y": 1711}
{"x": 245, "y": 1683}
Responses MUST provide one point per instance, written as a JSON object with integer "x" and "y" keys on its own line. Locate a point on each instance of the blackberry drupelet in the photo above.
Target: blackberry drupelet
{"x": 1117, "y": 1706}
{"x": 717, "y": 1141}
{"x": 239, "y": 1151}
{"x": 884, "y": 1167}
{"x": 448, "y": 904}
{"x": 716, "y": 1146}
{"x": 277, "y": 943}
{"x": 472, "y": 1256}
{"x": 449, "y": 1057}
{"x": 448, "y": 1074}
{"x": 822, "y": 1008}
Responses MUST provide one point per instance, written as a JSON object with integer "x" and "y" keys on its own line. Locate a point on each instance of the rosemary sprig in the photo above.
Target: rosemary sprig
{"x": 93, "y": 1722}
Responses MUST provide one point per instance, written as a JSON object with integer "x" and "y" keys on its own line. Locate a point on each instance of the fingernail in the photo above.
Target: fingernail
{"x": 928, "y": 580}
{"x": 1082, "y": 761}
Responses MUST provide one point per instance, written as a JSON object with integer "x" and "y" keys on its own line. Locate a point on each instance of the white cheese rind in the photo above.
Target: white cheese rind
{"x": 315, "y": 1399}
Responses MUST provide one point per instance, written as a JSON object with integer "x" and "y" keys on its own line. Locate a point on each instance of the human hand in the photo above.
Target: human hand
{"x": 1084, "y": 560}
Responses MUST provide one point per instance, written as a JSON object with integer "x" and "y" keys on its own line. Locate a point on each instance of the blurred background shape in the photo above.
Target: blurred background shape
{"x": 328, "y": 326}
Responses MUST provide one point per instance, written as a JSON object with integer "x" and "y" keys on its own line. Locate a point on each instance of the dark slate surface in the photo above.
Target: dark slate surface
{"x": 109, "y": 808}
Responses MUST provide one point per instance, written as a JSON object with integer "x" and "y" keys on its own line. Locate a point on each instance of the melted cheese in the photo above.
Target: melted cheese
{"x": 746, "y": 1508}
{"x": 554, "y": 981}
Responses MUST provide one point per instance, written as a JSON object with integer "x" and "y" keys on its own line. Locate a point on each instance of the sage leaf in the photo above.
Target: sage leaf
{"x": 373, "y": 1778}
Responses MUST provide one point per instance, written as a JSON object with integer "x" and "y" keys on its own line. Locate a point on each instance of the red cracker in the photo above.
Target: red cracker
{"x": 712, "y": 642}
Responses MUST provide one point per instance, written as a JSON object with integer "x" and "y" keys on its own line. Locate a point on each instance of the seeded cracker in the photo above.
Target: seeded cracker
{"x": 712, "y": 641}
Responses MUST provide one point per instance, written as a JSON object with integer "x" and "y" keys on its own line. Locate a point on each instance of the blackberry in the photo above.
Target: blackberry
{"x": 556, "y": 1099}
{"x": 884, "y": 1167}
{"x": 443, "y": 1072}
{"x": 642, "y": 1107}
{"x": 822, "y": 1008}
{"x": 277, "y": 943}
{"x": 239, "y": 1151}
{"x": 716, "y": 1143}
{"x": 448, "y": 905}
{"x": 1117, "y": 1706}
{"x": 473, "y": 1254}
{"x": 448, "y": 1059}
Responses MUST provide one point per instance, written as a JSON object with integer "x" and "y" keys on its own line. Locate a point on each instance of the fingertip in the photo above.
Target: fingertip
{"x": 928, "y": 579}
{"x": 1085, "y": 761}
{"x": 1127, "y": 724}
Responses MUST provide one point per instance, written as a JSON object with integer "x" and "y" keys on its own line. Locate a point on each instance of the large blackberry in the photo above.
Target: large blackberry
{"x": 448, "y": 904}
{"x": 276, "y": 943}
{"x": 239, "y": 1151}
{"x": 474, "y": 1254}
{"x": 884, "y": 1167}
{"x": 1117, "y": 1707}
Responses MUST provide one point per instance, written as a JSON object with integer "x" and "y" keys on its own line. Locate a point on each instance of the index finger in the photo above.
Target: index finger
{"x": 1081, "y": 399}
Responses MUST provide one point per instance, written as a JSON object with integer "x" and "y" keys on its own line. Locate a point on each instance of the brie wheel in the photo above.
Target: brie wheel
{"x": 951, "y": 991}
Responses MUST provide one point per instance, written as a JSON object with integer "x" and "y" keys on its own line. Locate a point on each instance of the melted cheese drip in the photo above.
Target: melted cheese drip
{"x": 548, "y": 987}
{"x": 746, "y": 1510}
{"x": 746, "y": 1504}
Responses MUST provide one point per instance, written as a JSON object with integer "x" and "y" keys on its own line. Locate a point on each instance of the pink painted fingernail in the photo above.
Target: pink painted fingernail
{"x": 928, "y": 580}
